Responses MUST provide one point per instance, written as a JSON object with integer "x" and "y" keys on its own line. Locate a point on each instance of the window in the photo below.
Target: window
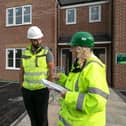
{"x": 18, "y": 15}
{"x": 95, "y": 13}
{"x": 71, "y": 16}
{"x": 13, "y": 58}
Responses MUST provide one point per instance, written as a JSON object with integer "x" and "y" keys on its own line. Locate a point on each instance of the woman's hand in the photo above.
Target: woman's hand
{"x": 63, "y": 94}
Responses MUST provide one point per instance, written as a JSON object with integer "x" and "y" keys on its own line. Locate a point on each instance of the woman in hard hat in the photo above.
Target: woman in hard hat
{"x": 84, "y": 104}
{"x": 37, "y": 64}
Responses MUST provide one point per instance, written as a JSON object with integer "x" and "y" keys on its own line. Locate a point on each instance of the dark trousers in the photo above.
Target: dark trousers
{"x": 36, "y": 104}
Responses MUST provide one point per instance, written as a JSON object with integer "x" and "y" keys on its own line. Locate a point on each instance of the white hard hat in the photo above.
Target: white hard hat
{"x": 34, "y": 33}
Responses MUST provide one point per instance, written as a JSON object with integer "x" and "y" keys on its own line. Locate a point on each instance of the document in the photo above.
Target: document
{"x": 53, "y": 85}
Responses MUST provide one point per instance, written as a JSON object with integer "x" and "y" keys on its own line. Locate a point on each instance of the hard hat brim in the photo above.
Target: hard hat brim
{"x": 35, "y": 37}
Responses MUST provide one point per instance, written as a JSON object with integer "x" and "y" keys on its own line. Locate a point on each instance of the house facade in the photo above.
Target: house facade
{"x": 59, "y": 20}
{"x": 15, "y": 18}
{"x": 94, "y": 17}
{"x": 119, "y": 44}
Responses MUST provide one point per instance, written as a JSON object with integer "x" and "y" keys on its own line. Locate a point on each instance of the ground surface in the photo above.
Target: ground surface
{"x": 123, "y": 95}
{"x": 11, "y": 103}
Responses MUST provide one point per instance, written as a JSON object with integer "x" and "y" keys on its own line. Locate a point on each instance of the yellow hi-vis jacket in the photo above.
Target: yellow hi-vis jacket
{"x": 35, "y": 68}
{"x": 85, "y": 102}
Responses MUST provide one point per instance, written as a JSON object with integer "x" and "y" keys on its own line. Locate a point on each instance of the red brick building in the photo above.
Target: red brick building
{"x": 119, "y": 43}
{"x": 15, "y": 18}
{"x": 94, "y": 17}
{"x": 59, "y": 20}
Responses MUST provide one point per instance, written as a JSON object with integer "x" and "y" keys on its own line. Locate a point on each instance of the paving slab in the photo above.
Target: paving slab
{"x": 116, "y": 112}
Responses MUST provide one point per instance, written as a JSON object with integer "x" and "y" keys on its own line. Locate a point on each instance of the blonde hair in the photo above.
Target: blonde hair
{"x": 83, "y": 54}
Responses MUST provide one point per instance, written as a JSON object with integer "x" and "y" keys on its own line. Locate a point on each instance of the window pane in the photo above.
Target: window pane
{"x": 18, "y": 53}
{"x": 18, "y": 62}
{"x": 10, "y": 62}
{"x": 26, "y": 10}
{"x": 70, "y": 15}
{"x": 18, "y": 58}
{"x": 95, "y": 13}
{"x": 10, "y": 58}
{"x": 26, "y": 18}
{"x": 10, "y": 54}
{"x": 19, "y": 15}
{"x": 10, "y": 16}
{"x": 27, "y": 14}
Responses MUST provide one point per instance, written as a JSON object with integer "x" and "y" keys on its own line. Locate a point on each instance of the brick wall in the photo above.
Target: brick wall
{"x": 119, "y": 42}
{"x": 83, "y": 21}
{"x": 44, "y": 16}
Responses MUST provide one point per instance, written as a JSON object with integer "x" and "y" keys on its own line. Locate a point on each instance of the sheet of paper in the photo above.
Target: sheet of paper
{"x": 53, "y": 85}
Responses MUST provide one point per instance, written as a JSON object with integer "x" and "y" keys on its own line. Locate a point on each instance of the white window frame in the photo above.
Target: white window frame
{"x": 67, "y": 11}
{"x": 99, "y": 13}
{"x": 14, "y": 16}
{"x": 14, "y": 58}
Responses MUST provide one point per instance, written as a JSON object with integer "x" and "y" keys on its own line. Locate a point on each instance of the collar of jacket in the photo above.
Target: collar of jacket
{"x": 76, "y": 68}
{"x": 33, "y": 50}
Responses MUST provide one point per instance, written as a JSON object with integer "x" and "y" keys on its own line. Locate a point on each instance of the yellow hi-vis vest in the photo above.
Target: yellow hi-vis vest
{"x": 35, "y": 68}
{"x": 85, "y": 101}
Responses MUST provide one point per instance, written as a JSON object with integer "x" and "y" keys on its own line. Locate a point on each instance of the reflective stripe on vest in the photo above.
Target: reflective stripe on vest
{"x": 33, "y": 81}
{"x": 35, "y": 73}
{"x": 76, "y": 84}
{"x": 80, "y": 99}
{"x": 98, "y": 91}
{"x": 25, "y": 57}
{"x": 80, "y": 102}
{"x": 64, "y": 121}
